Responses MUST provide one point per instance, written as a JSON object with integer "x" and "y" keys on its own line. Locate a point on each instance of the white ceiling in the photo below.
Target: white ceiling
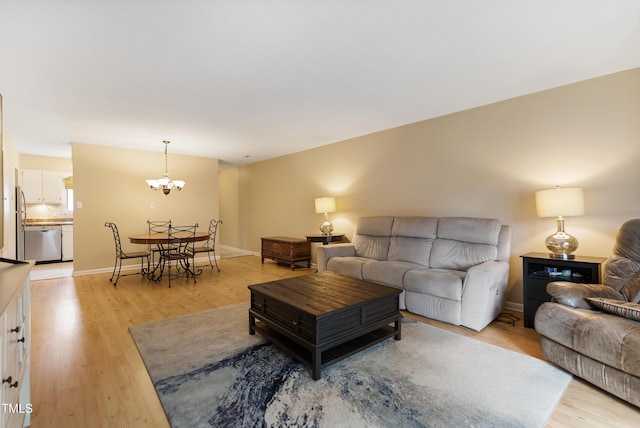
{"x": 244, "y": 81}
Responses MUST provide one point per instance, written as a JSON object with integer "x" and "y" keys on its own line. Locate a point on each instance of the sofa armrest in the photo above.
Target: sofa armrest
{"x": 483, "y": 293}
{"x": 574, "y": 294}
{"x": 325, "y": 252}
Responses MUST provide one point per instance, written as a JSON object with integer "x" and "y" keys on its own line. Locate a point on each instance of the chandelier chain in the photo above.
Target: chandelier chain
{"x": 166, "y": 159}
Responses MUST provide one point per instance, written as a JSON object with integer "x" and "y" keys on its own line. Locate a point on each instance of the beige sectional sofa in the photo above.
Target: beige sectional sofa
{"x": 452, "y": 269}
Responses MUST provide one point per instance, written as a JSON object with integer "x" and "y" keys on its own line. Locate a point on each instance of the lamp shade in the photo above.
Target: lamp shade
{"x": 325, "y": 205}
{"x": 560, "y": 202}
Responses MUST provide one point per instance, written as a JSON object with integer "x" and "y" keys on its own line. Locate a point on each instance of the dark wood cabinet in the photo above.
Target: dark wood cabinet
{"x": 283, "y": 249}
{"x": 538, "y": 269}
{"x": 326, "y": 239}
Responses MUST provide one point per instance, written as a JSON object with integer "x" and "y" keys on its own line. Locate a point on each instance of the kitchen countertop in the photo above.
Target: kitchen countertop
{"x": 49, "y": 221}
{"x": 11, "y": 277}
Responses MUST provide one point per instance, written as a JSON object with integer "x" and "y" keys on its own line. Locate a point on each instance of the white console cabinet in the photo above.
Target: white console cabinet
{"x": 15, "y": 344}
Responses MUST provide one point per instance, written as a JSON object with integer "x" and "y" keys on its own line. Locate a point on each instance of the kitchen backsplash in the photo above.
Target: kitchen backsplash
{"x": 41, "y": 211}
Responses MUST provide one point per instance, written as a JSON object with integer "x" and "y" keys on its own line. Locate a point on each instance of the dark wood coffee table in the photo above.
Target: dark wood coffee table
{"x": 323, "y": 318}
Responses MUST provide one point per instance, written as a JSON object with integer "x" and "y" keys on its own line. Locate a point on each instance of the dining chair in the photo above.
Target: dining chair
{"x": 122, "y": 255}
{"x": 209, "y": 245}
{"x": 181, "y": 241}
{"x": 157, "y": 226}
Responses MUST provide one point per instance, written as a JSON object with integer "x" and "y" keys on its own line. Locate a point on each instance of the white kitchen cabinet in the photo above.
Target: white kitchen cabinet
{"x": 31, "y": 185}
{"x": 67, "y": 242}
{"x": 41, "y": 186}
{"x": 15, "y": 341}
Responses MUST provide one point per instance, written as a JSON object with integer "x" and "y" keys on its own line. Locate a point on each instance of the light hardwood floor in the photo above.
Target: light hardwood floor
{"x": 87, "y": 372}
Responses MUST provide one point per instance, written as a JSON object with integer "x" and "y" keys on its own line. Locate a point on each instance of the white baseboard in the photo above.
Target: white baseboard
{"x": 127, "y": 268}
{"x": 512, "y": 306}
{"x": 228, "y": 251}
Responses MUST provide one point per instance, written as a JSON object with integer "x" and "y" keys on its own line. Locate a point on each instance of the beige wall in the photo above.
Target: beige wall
{"x": 110, "y": 183}
{"x": 230, "y": 210}
{"x": 45, "y": 163}
{"x": 484, "y": 162}
{"x": 11, "y": 162}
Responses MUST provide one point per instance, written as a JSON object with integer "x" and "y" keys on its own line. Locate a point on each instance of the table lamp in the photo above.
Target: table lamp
{"x": 560, "y": 202}
{"x": 326, "y": 205}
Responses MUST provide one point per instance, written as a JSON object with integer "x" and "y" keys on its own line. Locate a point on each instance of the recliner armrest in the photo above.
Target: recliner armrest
{"x": 574, "y": 294}
{"x": 325, "y": 252}
{"x": 486, "y": 275}
{"x": 483, "y": 293}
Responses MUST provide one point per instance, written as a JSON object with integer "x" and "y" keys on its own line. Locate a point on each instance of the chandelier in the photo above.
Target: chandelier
{"x": 164, "y": 183}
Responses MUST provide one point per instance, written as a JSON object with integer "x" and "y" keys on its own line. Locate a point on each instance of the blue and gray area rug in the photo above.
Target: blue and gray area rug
{"x": 209, "y": 372}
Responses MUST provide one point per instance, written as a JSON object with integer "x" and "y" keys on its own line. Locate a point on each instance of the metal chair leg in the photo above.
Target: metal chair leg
{"x": 215, "y": 259}
{"x": 115, "y": 265}
{"x": 119, "y": 264}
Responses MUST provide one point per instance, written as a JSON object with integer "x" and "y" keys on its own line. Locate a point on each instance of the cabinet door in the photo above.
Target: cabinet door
{"x": 3, "y": 363}
{"x": 15, "y": 373}
{"x": 32, "y": 185}
{"x": 52, "y": 187}
{"x": 13, "y": 332}
{"x": 25, "y": 356}
{"x": 67, "y": 242}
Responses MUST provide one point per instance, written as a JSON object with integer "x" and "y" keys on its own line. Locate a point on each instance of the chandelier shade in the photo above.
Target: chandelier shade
{"x": 164, "y": 183}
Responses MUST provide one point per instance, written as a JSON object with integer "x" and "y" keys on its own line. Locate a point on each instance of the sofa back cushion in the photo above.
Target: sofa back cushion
{"x": 622, "y": 269}
{"x": 628, "y": 240}
{"x": 504, "y": 243}
{"x": 464, "y": 242}
{"x": 372, "y": 237}
{"x": 412, "y": 239}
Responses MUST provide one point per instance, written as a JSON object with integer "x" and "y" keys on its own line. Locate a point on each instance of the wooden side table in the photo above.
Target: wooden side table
{"x": 286, "y": 250}
{"x": 326, "y": 239}
{"x": 538, "y": 269}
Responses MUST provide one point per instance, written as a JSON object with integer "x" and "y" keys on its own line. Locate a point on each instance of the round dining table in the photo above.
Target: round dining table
{"x": 161, "y": 240}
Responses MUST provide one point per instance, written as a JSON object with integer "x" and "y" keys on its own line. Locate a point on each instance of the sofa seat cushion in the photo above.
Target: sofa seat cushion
{"x": 607, "y": 338}
{"x": 387, "y": 272}
{"x": 348, "y": 266}
{"x": 444, "y": 283}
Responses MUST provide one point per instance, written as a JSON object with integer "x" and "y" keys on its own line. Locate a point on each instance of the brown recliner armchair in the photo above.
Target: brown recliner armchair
{"x": 593, "y": 330}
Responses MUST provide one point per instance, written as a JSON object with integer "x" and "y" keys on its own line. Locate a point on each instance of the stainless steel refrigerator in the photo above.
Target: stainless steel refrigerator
{"x": 21, "y": 220}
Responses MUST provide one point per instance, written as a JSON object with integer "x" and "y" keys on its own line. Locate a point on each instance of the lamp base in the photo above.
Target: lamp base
{"x": 562, "y": 256}
{"x": 326, "y": 227}
{"x": 561, "y": 244}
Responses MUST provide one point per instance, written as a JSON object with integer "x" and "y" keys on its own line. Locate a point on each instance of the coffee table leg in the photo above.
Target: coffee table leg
{"x": 398, "y": 328}
{"x": 316, "y": 361}
{"x": 252, "y": 324}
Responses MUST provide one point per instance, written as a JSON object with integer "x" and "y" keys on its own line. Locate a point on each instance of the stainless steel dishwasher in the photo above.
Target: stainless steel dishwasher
{"x": 43, "y": 243}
